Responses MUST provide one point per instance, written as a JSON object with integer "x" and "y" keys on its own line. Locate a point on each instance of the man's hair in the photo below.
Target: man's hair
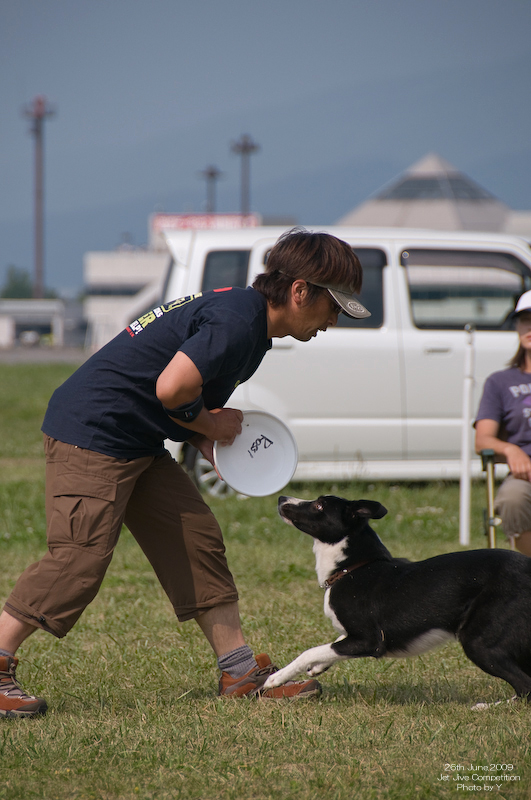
{"x": 319, "y": 257}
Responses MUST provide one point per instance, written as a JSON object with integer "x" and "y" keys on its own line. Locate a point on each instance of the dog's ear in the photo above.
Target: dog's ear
{"x": 369, "y": 508}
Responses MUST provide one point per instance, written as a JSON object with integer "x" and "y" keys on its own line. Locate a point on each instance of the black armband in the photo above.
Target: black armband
{"x": 186, "y": 412}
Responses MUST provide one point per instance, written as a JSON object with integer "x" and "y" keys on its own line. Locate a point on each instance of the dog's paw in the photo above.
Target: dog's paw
{"x": 274, "y": 680}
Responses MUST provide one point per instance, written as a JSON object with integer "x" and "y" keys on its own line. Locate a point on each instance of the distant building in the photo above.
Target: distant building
{"x": 434, "y": 194}
{"x": 29, "y": 321}
{"x": 120, "y": 285}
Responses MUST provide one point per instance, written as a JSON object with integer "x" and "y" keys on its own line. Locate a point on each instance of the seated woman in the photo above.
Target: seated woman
{"x": 506, "y": 405}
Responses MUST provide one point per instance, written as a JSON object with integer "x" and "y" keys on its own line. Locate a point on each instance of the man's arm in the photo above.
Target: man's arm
{"x": 181, "y": 383}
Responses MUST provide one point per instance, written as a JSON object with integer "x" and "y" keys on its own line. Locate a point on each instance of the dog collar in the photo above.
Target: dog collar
{"x": 340, "y": 573}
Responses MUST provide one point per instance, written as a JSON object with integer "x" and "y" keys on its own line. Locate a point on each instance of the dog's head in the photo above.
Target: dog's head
{"x": 329, "y": 519}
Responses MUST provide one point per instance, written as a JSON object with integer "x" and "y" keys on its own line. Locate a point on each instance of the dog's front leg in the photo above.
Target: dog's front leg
{"x": 312, "y": 662}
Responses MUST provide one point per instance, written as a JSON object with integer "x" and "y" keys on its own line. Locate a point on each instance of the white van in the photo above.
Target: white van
{"x": 379, "y": 398}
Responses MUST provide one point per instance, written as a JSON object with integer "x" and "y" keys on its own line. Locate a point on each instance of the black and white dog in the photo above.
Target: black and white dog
{"x": 384, "y": 606}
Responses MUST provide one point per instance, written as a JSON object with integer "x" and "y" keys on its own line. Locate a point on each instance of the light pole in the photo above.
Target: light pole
{"x": 211, "y": 174}
{"x": 245, "y": 147}
{"x": 37, "y": 111}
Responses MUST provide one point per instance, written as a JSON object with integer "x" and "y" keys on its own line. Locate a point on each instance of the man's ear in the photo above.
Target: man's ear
{"x": 299, "y": 291}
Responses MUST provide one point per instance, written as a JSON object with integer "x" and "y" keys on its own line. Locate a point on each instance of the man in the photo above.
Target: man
{"x": 168, "y": 375}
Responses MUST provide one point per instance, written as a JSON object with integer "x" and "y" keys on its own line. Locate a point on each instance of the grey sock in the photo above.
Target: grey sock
{"x": 7, "y": 653}
{"x": 238, "y": 662}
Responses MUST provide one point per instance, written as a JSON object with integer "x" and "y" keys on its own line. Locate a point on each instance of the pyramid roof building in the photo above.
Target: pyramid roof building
{"x": 431, "y": 194}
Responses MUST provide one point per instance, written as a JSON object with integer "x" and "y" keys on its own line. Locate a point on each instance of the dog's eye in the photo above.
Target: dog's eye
{"x": 318, "y": 506}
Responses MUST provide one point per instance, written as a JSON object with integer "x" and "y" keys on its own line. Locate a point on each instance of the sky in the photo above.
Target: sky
{"x": 341, "y": 96}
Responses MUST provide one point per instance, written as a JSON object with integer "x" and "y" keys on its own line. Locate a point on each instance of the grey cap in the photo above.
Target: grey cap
{"x": 347, "y": 302}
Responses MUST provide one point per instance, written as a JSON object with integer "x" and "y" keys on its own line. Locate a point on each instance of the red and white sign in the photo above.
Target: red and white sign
{"x": 174, "y": 222}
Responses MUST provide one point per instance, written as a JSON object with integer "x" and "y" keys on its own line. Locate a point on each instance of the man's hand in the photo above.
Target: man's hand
{"x": 181, "y": 383}
{"x": 219, "y": 425}
{"x": 205, "y": 447}
{"x": 227, "y": 424}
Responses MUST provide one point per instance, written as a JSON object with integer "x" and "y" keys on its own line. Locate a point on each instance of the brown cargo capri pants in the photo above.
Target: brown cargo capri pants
{"x": 88, "y": 497}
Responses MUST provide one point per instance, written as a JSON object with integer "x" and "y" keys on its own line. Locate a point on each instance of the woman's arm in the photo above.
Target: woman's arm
{"x": 487, "y": 431}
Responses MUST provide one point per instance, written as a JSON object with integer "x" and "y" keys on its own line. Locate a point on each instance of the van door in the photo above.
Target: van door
{"x": 341, "y": 393}
{"x": 446, "y": 290}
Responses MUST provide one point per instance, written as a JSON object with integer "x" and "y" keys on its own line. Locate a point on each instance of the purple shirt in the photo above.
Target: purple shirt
{"x": 507, "y": 399}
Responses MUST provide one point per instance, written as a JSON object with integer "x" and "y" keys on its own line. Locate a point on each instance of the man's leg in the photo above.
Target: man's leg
{"x": 222, "y": 628}
{"x": 13, "y": 632}
{"x": 86, "y": 496}
{"x": 183, "y": 542}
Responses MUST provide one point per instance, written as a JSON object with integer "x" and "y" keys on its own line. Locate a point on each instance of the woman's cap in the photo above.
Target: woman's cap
{"x": 524, "y": 303}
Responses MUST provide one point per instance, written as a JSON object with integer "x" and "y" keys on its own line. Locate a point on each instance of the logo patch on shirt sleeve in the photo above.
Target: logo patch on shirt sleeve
{"x": 142, "y": 322}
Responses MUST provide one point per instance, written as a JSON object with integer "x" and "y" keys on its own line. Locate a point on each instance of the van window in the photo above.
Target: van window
{"x": 373, "y": 261}
{"x": 225, "y": 268}
{"x": 449, "y": 289}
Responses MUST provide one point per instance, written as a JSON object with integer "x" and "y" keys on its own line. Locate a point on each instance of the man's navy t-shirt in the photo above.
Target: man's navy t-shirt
{"x": 109, "y": 404}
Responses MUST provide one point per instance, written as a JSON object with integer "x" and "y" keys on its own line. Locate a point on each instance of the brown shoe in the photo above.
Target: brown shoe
{"x": 14, "y": 702}
{"x": 251, "y": 684}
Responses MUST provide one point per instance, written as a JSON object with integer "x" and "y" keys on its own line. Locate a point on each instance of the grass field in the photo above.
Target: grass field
{"x": 132, "y": 694}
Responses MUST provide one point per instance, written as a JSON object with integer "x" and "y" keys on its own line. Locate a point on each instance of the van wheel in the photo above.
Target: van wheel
{"x": 203, "y": 474}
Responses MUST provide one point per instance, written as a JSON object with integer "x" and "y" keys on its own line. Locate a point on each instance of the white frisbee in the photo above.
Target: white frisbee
{"x": 262, "y": 459}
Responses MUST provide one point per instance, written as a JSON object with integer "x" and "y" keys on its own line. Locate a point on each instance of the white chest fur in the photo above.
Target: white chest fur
{"x": 327, "y": 558}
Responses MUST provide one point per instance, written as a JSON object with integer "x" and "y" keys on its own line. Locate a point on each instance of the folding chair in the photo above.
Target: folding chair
{"x": 488, "y": 461}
